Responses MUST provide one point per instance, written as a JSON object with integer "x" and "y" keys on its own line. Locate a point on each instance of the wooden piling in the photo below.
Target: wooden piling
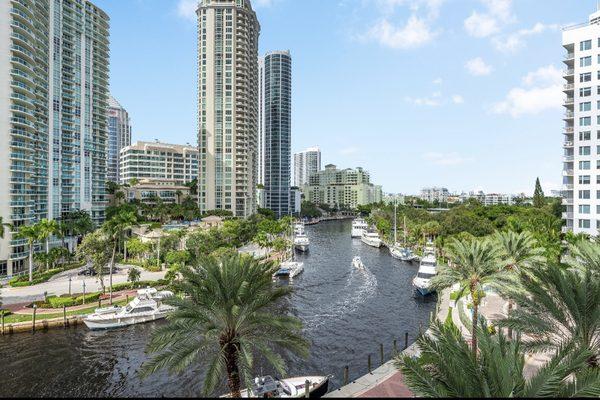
{"x": 2, "y": 316}
{"x": 395, "y": 347}
{"x": 405, "y": 340}
{"x": 381, "y": 353}
{"x": 307, "y": 389}
{"x": 65, "y": 322}
{"x": 33, "y": 324}
{"x": 369, "y": 363}
{"x": 346, "y": 375}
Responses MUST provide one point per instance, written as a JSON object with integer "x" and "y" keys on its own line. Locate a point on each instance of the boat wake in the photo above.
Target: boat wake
{"x": 347, "y": 305}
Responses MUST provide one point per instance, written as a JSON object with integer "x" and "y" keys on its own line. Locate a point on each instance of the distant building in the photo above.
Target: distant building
{"x": 435, "y": 194}
{"x": 119, "y": 136}
{"x": 148, "y": 191}
{"x": 306, "y": 163}
{"x": 488, "y": 199}
{"x": 159, "y": 162}
{"x": 348, "y": 188}
{"x": 390, "y": 198}
{"x": 295, "y": 200}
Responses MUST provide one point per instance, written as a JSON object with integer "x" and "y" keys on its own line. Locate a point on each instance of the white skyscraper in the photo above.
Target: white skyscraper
{"x": 54, "y": 57}
{"x": 306, "y": 163}
{"x": 581, "y": 174}
{"x": 119, "y": 136}
{"x": 228, "y": 33}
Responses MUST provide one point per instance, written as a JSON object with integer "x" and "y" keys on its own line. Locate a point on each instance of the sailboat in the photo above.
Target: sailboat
{"x": 399, "y": 251}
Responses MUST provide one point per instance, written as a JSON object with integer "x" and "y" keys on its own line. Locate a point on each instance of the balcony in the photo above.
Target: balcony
{"x": 567, "y": 201}
{"x": 567, "y": 215}
{"x": 568, "y": 172}
{"x": 569, "y": 87}
{"x": 568, "y": 186}
{"x": 569, "y": 115}
{"x": 569, "y": 72}
{"x": 569, "y": 129}
{"x": 569, "y": 101}
{"x": 569, "y": 56}
{"x": 568, "y": 158}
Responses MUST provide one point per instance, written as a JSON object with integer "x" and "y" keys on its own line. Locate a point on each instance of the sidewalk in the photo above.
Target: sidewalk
{"x": 24, "y": 310}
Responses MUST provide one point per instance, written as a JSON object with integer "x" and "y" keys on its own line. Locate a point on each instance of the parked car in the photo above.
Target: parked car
{"x": 93, "y": 272}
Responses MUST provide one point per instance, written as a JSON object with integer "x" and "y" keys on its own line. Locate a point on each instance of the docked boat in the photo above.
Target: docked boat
{"x": 357, "y": 263}
{"x": 427, "y": 271}
{"x": 146, "y": 307}
{"x": 359, "y": 226}
{"x": 401, "y": 251}
{"x": 372, "y": 239}
{"x": 299, "y": 228}
{"x": 269, "y": 387}
{"x": 301, "y": 242}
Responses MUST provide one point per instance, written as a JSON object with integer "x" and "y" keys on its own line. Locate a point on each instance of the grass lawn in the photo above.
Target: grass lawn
{"x": 14, "y": 318}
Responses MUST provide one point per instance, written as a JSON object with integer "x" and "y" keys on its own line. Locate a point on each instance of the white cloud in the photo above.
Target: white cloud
{"x": 478, "y": 67}
{"x": 458, "y": 99}
{"x": 516, "y": 40}
{"x": 414, "y": 34}
{"x": 483, "y": 24}
{"x": 445, "y": 159}
{"x": 186, "y": 9}
{"x": 542, "y": 91}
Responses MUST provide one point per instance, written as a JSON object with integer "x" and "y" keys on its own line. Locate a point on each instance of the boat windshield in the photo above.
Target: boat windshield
{"x": 424, "y": 275}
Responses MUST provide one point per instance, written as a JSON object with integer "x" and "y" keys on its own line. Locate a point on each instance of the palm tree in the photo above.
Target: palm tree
{"x": 474, "y": 265}
{"x": 32, "y": 234}
{"x": 225, "y": 317}
{"x": 519, "y": 252}
{"x": 2, "y": 226}
{"x": 47, "y": 228}
{"x": 115, "y": 229}
{"x": 558, "y": 308}
{"x": 447, "y": 368}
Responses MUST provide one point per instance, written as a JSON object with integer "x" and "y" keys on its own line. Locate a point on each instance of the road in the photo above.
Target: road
{"x": 59, "y": 285}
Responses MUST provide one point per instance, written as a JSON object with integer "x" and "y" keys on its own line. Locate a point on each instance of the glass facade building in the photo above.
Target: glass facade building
{"x": 119, "y": 136}
{"x": 54, "y": 57}
{"x": 275, "y": 130}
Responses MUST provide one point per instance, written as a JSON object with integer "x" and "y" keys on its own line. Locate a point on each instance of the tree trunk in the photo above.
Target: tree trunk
{"x": 47, "y": 252}
{"x": 475, "y": 327}
{"x": 30, "y": 262}
{"x": 112, "y": 265}
{"x": 233, "y": 374}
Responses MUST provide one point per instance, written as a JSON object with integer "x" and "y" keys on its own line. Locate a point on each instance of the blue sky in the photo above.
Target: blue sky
{"x": 458, "y": 93}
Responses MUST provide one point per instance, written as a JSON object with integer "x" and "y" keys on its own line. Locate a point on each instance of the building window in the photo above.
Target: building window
{"x": 585, "y": 165}
{"x": 586, "y": 92}
{"x": 584, "y": 223}
{"x": 584, "y": 179}
{"x": 3, "y": 268}
{"x": 585, "y": 45}
{"x": 585, "y": 121}
{"x": 585, "y": 194}
{"x": 585, "y": 61}
{"x": 585, "y": 150}
{"x": 587, "y": 135}
{"x": 584, "y": 209}
{"x": 587, "y": 77}
{"x": 585, "y": 106}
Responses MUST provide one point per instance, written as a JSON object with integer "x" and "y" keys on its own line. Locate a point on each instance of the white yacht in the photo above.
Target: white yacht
{"x": 298, "y": 228}
{"x": 290, "y": 269}
{"x": 427, "y": 270}
{"x": 292, "y": 388}
{"x": 372, "y": 239}
{"x": 357, "y": 263}
{"x": 146, "y": 307}
{"x": 429, "y": 249}
{"x": 301, "y": 242}
{"x": 359, "y": 226}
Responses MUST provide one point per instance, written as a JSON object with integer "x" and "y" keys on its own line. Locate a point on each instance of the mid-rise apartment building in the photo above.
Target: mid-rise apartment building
{"x": 275, "y": 130}
{"x": 228, "y": 32}
{"x": 581, "y": 172}
{"x": 54, "y": 59}
{"x": 157, "y": 162}
{"x": 306, "y": 163}
{"x": 488, "y": 199}
{"x": 119, "y": 136}
{"x": 347, "y": 188}
{"x": 435, "y": 194}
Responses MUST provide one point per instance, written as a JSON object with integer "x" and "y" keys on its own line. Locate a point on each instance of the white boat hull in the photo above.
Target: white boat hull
{"x": 371, "y": 242}
{"x": 357, "y": 233}
{"x": 302, "y": 247}
{"x": 122, "y": 322}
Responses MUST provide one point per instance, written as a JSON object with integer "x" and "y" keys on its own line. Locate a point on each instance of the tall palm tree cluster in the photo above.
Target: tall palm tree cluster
{"x": 553, "y": 312}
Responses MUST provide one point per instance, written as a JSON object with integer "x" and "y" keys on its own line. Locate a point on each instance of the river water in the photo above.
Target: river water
{"x": 346, "y": 313}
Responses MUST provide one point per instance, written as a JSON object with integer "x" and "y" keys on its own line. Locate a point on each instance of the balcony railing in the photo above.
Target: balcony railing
{"x": 569, "y": 86}
{"x": 569, "y": 56}
{"x": 568, "y": 72}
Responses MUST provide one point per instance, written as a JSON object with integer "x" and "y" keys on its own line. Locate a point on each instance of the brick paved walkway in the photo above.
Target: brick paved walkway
{"x": 392, "y": 387}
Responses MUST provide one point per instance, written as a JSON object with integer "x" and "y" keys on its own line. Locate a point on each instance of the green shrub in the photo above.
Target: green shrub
{"x": 88, "y": 298}
{"x": 454, "y": 296}
{"x": 60, "y": 302}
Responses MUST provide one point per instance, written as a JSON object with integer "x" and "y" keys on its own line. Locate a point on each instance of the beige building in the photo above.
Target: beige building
{"x": 228, "y": 32}
{"x": 342, "y": 188}
{"x": 157, "y": 161}
{"x": 148, "y": 191}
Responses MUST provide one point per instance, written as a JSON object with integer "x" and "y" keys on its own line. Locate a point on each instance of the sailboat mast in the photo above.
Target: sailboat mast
{"x": 405, "y": 230}
{"x": 395, "y": 221}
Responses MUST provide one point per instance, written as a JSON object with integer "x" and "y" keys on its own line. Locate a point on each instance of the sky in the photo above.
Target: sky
{"x": 464, "y": 94}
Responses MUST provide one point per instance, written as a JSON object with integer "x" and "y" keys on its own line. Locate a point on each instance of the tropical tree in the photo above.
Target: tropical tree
{"x": 520, "y": 253}
{"x": 95, "y": 249}
{"x": 2, "y": 226}
{"x": 31, "y": 233}
{"x": 225, "y": 318}
{"x": 134, "y": 275}
{"x": 559, "y": 308}
{"x": 539, "y": 199}
{"x": 115, "y": 229}
{"x": 447, "y": 368}
{"x": 47, "y": 228}
{"x": 474, "y": 265}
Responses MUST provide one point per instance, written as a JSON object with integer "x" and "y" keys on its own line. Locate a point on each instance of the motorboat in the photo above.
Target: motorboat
{"x": 269, "y": 387}
{"x": 429, "y": 249}
{"x": 357, "y": 263}
{"x": 359, "y": 226}
{"x": 301, "y": 242}
{"x": 147, "y": 306}
{"x": 289, "y": 269}
{"x": 427, "y": 271}
{"x": 299, "y": 228}
{"x": 372, "y": 239}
